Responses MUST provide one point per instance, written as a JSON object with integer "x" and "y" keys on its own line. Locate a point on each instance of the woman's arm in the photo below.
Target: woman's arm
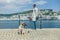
{"x": 37, "y": 11}
{"x": 32, "y": 15}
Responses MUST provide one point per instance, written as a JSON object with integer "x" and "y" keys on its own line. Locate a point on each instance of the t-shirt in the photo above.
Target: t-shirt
{"x": 35, "y": 14}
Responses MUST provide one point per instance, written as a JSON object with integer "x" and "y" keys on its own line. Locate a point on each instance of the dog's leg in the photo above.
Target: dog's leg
{"x": 21, "y": 32}
{"x": 18, "y": 32}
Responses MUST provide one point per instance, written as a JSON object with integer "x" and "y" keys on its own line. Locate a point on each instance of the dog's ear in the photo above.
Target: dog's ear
{"x": 24, "y": 24}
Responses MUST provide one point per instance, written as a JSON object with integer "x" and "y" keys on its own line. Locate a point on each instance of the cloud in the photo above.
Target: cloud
{"x": 16, "y": 1}
{"x": 41, "y": 2}
{"x": 13, "y": 5}
{"x": 23, "y": 2}
{"x": 9, "y": 7}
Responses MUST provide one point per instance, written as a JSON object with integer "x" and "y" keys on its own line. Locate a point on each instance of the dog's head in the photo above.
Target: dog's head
{"x": 24, "y": 24}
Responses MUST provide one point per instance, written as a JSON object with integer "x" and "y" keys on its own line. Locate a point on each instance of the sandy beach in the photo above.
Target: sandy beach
{"x": 39, "y": 34}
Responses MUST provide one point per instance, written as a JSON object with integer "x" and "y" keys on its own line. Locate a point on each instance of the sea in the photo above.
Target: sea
{"x": 14, "y": 24}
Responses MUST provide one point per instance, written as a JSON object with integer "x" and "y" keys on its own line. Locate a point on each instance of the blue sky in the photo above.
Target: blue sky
{"x": 14, "y": 6}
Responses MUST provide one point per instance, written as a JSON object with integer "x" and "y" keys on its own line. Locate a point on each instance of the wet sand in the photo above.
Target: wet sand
{"x": 39, "y": 34}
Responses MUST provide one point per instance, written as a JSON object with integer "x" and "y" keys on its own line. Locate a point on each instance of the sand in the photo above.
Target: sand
{"x": 39, "y": 34}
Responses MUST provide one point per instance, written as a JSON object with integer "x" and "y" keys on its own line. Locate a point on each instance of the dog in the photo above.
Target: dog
{"x": 21, "y": 28}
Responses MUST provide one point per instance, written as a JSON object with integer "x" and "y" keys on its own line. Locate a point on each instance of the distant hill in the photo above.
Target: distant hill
{"x": 25, "y": 12}
{"x": 13, "y": 16}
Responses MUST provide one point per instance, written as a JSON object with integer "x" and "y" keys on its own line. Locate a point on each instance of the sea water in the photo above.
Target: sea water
{"x": 12, "y": 24}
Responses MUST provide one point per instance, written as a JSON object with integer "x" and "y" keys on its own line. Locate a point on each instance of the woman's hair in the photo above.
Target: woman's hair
{"x": 34, "y": 5}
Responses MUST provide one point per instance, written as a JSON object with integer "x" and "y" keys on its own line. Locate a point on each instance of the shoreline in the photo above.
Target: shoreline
{"x": 31, "y": 29}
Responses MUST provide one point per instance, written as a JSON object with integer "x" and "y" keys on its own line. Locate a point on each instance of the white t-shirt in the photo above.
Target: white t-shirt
{"x": 35, "y": 14}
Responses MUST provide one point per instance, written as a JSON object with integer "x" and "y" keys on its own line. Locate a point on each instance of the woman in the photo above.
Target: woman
{"x": 34, "y": 15}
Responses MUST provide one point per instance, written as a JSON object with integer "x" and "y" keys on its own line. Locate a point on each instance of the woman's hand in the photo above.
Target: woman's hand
{"x": 30, "y": 18}
{"x": 37, "y": 17}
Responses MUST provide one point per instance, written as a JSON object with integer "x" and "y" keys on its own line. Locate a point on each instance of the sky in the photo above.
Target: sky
{"x": 14, "y": 6}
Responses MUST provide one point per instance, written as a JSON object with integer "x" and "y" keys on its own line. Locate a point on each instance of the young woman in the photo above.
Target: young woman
{"x": 34, "y": 14}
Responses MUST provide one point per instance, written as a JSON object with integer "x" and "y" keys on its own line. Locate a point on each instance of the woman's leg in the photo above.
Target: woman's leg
{"x": 34, "y": 24}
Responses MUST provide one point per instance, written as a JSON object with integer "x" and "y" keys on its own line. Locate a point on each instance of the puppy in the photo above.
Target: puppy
{"x": 21, "y": 28}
